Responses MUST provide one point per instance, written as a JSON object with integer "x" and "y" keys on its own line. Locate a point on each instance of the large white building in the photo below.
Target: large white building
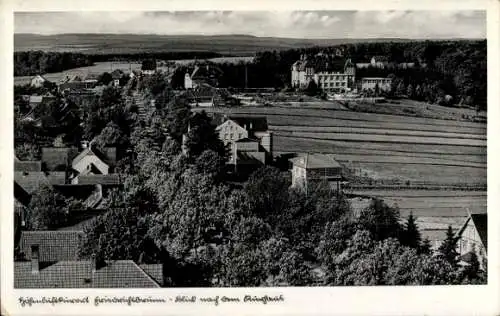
{"x": 328, "y": 78}
{"x": 384, "y": 84}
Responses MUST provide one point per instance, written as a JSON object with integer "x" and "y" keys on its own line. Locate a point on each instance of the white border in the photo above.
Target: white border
{"x": 443, "y": 300}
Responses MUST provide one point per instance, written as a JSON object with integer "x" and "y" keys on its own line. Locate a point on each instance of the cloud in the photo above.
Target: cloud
{"x": 300, "y": 24}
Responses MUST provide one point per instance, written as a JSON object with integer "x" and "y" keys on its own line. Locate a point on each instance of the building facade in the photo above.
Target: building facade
{"x": 472, "y": 237}
{"x": 323, "y": 74}
{"x": 384, "y": 84}
{"x": 311, "y": 169}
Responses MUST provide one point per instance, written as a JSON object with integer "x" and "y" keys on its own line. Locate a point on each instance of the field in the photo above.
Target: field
{"x": 218, "y": 60}
{"x": 414, "y": 108}
{"x": 434, "y": 210}
{"x": 235, "y": 45}
{"x": 97, "y": 68}
{"x": 392, "y": 149}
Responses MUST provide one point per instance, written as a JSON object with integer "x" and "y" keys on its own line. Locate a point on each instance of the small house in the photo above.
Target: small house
{"x": 38, "y": 81}
{"x": 312, "y": 169}
{"x": 473, "y": 237}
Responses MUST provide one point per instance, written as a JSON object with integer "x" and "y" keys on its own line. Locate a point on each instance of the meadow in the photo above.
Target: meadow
{"x": 380, "y": 146}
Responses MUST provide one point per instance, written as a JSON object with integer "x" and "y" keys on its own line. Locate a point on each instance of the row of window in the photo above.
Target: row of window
{"x": 379, "y": 81}
{"x": 334, "y": 77}
{"x": 337, "y": 84}
{"x": 230, "y": 136}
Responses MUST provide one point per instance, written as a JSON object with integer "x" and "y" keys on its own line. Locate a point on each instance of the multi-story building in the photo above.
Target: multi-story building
{"x": 311, "y": 169}
{"x": 384, "y": 84}
{"x": 249, "y": 140}
{"x": 327, "y": 75}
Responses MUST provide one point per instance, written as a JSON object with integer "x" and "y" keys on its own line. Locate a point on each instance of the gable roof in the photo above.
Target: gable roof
{"x": 104, "y": 179}
{"x": 89, "y": 151}
{"x": 53, "y": 245}
{"x": 25, "y": 165}
{"x": 53, "y": 157}
{"x": 78, "y": 274}
{"x": 258, "y": 123}
{"x": 155, "y": 271}
{"x": 481, "y": 222}
{"x": 39, "y": 77}
{"x": 30, "y": 181}
{"x": 315, "y": 161}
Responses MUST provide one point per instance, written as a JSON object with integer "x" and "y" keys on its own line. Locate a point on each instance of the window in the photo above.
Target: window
{"x": 231, "y": 136}
{"x": 240, "y": 135}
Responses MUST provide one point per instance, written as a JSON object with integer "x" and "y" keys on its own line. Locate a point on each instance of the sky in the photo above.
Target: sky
{"x": 291, "y": 24}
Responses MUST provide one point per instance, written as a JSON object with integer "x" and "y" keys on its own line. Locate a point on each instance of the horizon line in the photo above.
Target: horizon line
{"x": 255, "y": 36}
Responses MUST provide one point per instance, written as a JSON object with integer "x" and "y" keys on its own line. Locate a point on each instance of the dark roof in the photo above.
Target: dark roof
{"x": 20, "y": 165}
{"x": 56, "y": 177}
{"x": 53, "y": 245}
{"x": 21, "y": 195}
{"x": 53, "y": 157}
{"x": 259, "y": 124}
{"x": 104, "y": 179}
{"x": 117, "y": 74}
{"x": 316, "y": 161}
{"x": 247, "y": 140}
{"x": 30, "y": 181}
{"x": 205, "y": 71}
{"x": 155, "y": 271}
{"x": 481, "y": 223}
{"x": 250, "y": 158}
{"x": 78, "y": 274}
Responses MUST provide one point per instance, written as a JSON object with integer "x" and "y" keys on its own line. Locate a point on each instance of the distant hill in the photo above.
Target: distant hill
{"x": 233, "y": 45}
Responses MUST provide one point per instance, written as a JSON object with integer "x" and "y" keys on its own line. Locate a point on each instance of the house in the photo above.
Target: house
{"x": 249, "y": 140}
{"x": 331, "y": 75}
{"x": 86, "y": 274}
{"x": 90, "y": 161}
{"x": 27, "y": 166}
{"x": 205, "y": 95}
{"x": 202, "y": 74}
{"x": 117, "y": 75}
{"x": 49, "y": 259}
{"x": 38, "y": 81}
{"x": 473, "y": 236}
{"x": 57, "y": 158}
{"x": 50, "y": 246}
{"x": 383, "y": 84}
{"x": 148, "y": 67}
{"x": 29, "y": 182}
{"x": 311, "y": 169}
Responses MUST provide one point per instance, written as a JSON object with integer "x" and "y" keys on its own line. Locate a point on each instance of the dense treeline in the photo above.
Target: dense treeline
{"x": 442, "y": 68}
{"x": 178, "y": 209}
{"x": 39, "y": 62}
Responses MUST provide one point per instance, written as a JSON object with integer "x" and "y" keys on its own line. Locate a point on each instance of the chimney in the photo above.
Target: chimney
{"x": 35, "y": 256}
{"x": 93, "y": 263}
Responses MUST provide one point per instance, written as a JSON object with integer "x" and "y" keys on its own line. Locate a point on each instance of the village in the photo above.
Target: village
{"x": 87, "y": 170}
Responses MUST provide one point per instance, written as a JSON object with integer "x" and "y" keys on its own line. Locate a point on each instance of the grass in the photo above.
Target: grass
{"x": 399, "y": 139}
{"x": 97, "y": 68}
{"x": 414, "y": 108}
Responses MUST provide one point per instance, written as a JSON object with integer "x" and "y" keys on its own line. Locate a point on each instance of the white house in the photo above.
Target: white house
{"x": 38, "y": 81}
{"x": 310, "y": 169}
{"x": 90, "y": 162}
{"x": 472, "y": 236}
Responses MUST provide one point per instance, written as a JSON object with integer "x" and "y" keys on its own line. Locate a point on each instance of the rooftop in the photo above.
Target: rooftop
{"x": 79, "y": 274}
{"x": 315, "y": 161}
{"x": 253, "y": 123}
{"x": 25, "y": 165}
{"x": 53, "y": 245}
{"x": 30, "y": 181}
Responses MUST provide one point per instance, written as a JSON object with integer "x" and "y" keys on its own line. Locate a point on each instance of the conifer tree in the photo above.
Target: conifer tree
{"x": 448, "y": 247}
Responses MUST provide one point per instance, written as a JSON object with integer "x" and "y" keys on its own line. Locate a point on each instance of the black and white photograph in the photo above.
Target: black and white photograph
{"x": 249, "y": 149}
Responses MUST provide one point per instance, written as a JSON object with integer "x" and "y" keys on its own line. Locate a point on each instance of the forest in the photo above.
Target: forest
{"x": 39, "y": 62}
{"x": 454, "y": 68}
{"x": 178, "y": 208}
